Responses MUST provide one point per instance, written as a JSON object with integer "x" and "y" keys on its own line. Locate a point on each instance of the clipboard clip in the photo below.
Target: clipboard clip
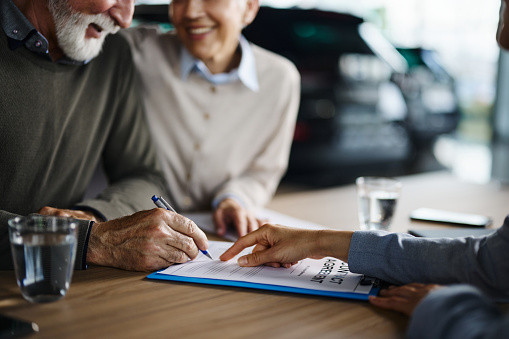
{"x": 366, "y": 281}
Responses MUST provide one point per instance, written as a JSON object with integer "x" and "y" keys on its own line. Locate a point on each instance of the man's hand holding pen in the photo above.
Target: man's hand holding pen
{"x": 161, "y": 203}
{"x": 144, "y": 241}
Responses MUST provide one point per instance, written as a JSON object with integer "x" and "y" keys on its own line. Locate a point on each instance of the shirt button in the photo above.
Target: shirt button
{"x": 15, "y": 31}
{"x": 38, "y": 43}
{"x": 206, "y": 116}
{"x": 213, "y": 89}
{"x": 188, "y": 176}
{"x": 196, "y": 147}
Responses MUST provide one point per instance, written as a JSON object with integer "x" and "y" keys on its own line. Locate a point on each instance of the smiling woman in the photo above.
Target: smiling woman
{"x": 210, "y": 30}
{"x": 222, "y": 110}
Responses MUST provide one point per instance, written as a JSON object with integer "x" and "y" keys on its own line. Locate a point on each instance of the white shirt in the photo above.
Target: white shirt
{"x": 246, "y": 72}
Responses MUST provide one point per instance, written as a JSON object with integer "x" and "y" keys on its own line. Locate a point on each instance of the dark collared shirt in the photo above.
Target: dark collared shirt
{"x": 20, "y": 32}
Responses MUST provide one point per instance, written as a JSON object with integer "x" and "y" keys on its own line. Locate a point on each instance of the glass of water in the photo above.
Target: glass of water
{"x": 377, "y": 197}
{"x": 43, "y": 249}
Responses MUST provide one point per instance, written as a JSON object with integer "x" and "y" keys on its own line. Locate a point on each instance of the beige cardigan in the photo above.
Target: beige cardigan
{"x": 216, "y": 139}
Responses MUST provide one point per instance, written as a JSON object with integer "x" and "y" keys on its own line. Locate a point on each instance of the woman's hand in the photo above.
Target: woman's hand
{"x": 278, "y": 246}
{"x": 230, "y": 212}
{"x": 404, "y": 298}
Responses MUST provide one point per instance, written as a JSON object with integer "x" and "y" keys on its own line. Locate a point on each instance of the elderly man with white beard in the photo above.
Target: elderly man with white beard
{"x": 67, "y": 102}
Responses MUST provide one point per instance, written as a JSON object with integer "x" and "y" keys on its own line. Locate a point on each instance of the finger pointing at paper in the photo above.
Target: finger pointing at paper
{"x": 283, "y": 246}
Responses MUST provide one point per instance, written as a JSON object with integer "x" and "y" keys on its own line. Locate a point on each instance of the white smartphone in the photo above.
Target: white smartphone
{"x": 451, "y": 218}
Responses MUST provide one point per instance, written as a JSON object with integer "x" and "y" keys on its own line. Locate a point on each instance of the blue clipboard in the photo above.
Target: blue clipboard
{"x": 277, "y": 288}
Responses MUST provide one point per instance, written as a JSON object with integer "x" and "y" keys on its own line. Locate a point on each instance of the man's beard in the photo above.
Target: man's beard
{"x": 71, "y": 27}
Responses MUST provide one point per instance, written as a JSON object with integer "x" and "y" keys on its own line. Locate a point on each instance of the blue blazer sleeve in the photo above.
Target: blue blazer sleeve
{"x": 460, "y": 312}
{"x": 401, "y": 259}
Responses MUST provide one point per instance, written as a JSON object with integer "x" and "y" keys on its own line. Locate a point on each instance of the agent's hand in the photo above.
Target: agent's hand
{"x": 230, "y": 212}
{"x": 76, "y": 214}
{"x": 404, "y": 298}
{"x": 279, "y": 246}
{"x": 145, "y": 241}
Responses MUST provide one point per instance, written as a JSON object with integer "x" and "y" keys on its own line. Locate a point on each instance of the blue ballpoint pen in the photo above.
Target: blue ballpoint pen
{"x": 161, "y": 203}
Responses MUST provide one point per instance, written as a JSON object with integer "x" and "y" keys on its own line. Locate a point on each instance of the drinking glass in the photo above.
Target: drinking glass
{"x": 43, "y": 249}
{"x": 377, "y": 198}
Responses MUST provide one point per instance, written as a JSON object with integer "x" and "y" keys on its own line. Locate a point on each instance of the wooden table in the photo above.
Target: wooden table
{"x": 110, "y": 303}
{"x": 337, "y": 207}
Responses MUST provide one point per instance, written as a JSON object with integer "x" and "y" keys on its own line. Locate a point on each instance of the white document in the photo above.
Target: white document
{"x": 328, "y": 274}
{"x": 206, "y": 223}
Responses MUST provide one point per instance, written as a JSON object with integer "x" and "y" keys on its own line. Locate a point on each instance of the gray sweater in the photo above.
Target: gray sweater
{"x": 57, "y": 122}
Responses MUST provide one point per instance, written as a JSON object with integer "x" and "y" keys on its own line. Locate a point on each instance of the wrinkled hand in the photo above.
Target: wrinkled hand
{"x": 76, "y": 214}
{"x": 230, "y": 212}
{"x": 404, "y": 298}
{"x": 278, "y": 246}
{"x": 145, "y": 241}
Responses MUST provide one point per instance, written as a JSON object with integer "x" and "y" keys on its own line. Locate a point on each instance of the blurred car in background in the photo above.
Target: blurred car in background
{"x": 366, "y": 108}
{"x": 429, "y": 92}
